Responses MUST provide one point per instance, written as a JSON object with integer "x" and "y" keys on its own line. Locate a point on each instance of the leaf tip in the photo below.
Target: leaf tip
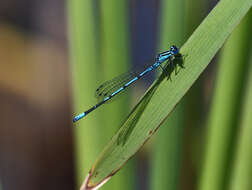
{"x": 86, "y": 185}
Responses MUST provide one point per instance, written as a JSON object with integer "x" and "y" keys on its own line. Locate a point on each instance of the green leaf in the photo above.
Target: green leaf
{"x": 83, "y": 51}
{"x": 242, "y": 168}
{"x": 222, "y": 124}
{"x": 163, "y": 95}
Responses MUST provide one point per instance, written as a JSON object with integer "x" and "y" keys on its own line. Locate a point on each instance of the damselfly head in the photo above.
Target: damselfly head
{"x": 174, "y": 49}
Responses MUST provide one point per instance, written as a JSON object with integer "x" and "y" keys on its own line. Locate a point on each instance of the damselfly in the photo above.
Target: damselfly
{"x": 109, "y": 89}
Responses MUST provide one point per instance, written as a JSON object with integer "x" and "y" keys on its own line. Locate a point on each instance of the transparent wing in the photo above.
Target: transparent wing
{"x": 108, "y": 87}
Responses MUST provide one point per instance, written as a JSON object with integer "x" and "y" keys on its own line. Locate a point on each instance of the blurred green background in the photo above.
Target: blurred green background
{"x": 54, "y": 54}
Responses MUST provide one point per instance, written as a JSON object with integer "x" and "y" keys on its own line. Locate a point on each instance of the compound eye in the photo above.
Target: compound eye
{"x": 174, "y": 49}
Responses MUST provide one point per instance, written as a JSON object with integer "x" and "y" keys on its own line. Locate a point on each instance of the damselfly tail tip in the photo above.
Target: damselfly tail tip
{"x": 78, "y": 117}
{"x": 75, "y": 119}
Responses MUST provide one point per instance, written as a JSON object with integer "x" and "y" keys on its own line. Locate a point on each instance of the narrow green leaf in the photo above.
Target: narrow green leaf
{"x": 115, "y": 60}
{"x": 242, "y": 167}
{"x": 224, "y": 115}
{"x": 242, "y": 172}
{"x": 83, "y": 53}
{"x": 163, "y": 95}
